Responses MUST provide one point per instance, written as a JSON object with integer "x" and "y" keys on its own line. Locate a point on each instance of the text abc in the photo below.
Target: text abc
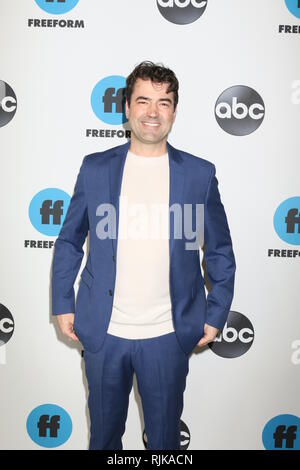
{"x": 5, "y": 104}
{"x": 4, "y": 328}
{"x": 181, "y": 4}
{"x": 230, "y": 334}
{"x": 239, "y": 110}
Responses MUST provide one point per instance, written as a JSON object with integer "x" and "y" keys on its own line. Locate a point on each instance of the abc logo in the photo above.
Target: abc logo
{"x": 8, "y": 103}
{"x": 6, "y": 325}
{"x": 48, "y": 209}
{"x": 185, "y": 436}
{"x": 236, "y": 338}
{"x": 287, "y": 220}
{"x": 108, "y": 100}
{"x": 56, "y": 7}
{"x": 181, "y": 11}
{"x": 239, "y": 110}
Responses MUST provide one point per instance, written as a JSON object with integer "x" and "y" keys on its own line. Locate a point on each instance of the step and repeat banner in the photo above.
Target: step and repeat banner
{"x": 62, "y": 74}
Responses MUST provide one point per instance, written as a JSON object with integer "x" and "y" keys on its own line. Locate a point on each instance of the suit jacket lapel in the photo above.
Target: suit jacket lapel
{"x": 176, "y": 188}
{"x": 116, "y": 168}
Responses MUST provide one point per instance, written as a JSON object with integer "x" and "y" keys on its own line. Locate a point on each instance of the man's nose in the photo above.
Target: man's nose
{"x": 152, "y": 110}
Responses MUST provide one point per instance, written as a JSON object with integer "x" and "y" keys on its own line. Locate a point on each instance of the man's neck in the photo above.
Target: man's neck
{"x": 148, "y": 150}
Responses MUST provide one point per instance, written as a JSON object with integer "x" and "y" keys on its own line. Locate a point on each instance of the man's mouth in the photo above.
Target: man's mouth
{"x": 150, "y": 124}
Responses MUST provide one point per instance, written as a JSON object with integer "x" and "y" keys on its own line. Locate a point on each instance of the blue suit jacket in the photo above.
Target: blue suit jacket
{"x": 192, "y": 181}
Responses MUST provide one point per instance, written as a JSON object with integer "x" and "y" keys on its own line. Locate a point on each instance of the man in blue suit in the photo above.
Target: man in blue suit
{"x": 141, "y": 305}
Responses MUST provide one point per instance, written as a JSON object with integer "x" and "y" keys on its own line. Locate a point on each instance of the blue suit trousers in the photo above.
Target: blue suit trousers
{"x": 161, "y": 367}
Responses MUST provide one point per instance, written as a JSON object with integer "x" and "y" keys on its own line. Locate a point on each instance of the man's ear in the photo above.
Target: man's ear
{"x": 175, "y": 113}
{"x": 126, "y": 109}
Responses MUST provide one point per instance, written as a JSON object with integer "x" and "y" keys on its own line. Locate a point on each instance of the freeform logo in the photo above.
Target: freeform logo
{"x": 7, "y": 325}
{"x": 239, "y": 110}
{"x": 282, "y": 433}
{"x": 185, "y": 436}
{"x": 56, "y": 7}
{"x": 49, "y": 425}
{"x": 294, "y": 8}
{"x": 48, "y": 209}
{"x": 8, "y": 103}
{"x": 108, "y": 104}
{"x": 287, "y": 221}
{"x": 181, "y": 11}
{"x": 236, "y": 337}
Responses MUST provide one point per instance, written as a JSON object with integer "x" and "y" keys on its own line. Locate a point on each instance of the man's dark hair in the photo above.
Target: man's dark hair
{"x": 157, "y": 73}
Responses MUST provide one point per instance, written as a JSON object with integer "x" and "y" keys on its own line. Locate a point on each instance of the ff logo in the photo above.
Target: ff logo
{"x": 239, "y": 110}
{"x": 282, "y": 433}
{"x": 56, "y": 7}
{"x": 236, "y": 337}
{"x": 108, "y": 100}
{"x": 49, "y": 425}
{"x": 293, "y": 7}
{"x": 6, "y": 325}
{"x": 8, "y": 103}
{"x": 181, "y": 11}
{"x": 47, "y": 210}
{"x": 185, "y": 436}
{"x": 287, "y": 220}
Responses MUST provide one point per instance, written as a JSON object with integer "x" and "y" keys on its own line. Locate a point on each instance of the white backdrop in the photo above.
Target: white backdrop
{"x": 52, "y": 71}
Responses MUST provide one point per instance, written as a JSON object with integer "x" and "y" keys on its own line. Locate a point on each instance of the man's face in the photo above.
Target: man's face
{"x": 151, "y": 113}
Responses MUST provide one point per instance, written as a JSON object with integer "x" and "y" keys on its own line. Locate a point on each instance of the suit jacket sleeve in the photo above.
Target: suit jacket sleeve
{"x": 68, "y": 250}
{"x": 218, "y": 256}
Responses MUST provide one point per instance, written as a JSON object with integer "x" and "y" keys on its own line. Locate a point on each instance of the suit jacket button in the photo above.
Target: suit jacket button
{"x": 110, "y": 292}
